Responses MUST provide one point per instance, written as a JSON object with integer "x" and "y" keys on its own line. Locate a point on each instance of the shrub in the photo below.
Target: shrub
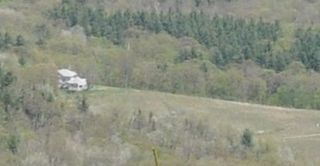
{"x": 247, "y": 138}
{"x": 83, "y": 104}
{"x": 12, "y": 143}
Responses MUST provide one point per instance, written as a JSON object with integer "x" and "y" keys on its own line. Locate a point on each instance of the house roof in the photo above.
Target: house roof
{"x": 78, "y": 81}
{"x": 67, "y": 73}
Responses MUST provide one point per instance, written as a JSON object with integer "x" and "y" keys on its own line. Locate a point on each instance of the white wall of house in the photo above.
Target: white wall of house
{"x": 71, "y": 81}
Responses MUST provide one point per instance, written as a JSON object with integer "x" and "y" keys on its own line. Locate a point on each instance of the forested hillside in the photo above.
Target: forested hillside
{"x": 205, "y": 55}
{"x": 255, "y": 51}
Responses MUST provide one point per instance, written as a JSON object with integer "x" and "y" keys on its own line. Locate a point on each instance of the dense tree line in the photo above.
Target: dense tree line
{"x": 307, "y": 48}
{"x": 236, "y": 45}
{"x": 231, "y": 40}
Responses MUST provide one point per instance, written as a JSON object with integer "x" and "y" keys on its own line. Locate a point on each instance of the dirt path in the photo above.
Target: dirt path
{"x": 302, "y": 136}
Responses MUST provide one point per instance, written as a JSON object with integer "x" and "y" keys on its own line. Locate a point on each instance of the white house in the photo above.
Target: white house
{"x": 71, "y": 81}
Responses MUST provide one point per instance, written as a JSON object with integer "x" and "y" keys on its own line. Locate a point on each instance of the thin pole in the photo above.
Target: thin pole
{"x": 155, "y": 154}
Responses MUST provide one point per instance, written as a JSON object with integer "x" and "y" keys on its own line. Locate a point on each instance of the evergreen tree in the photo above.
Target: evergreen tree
{"x": 20, "y": 41}
{"x": 7, "y": 40}
{"x": 235, "y": 39}
{"x": 247, "y": 138}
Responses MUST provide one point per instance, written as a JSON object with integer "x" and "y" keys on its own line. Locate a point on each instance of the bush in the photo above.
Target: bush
{"x": 83, "y": 104}
{"x": 247, "y": 138}
{"x": 12, "y": 143}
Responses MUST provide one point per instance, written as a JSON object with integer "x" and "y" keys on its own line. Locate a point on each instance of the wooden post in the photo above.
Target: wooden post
{"x": 155, "y": 154}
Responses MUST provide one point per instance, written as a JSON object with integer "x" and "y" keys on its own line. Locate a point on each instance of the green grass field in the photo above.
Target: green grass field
{"x": 292, "y": 128}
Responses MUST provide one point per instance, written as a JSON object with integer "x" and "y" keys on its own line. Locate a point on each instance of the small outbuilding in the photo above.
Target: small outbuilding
{"x": 70, "y": 80}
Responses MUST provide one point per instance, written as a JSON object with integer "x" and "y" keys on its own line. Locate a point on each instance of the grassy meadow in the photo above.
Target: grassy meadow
{"x": 277, "y": 123}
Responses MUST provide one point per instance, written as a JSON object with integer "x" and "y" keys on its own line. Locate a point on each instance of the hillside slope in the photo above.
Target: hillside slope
{"x": 183, "y": 52}
{"x": 242, "y": 54}
{"x": 121, "y": 126}
{"x": 271, "y": 123}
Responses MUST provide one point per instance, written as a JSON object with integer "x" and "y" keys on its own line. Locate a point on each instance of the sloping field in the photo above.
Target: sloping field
{"x": 295, "y": 129}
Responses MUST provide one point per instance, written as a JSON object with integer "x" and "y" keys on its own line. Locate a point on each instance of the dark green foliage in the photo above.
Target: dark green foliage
{"x": 6, "y": 79}
{"x": 197, "y": 2}
{"x": 231, "y": 42}
{"x": 188, "y": 54}
{"x": 7, "y": 101}
{"x": 20, "y": 41}
{"x": 50, "y": 98}
{"x": 22, "y": 60}
{"x": 13, "y": 142}
{"x": 234, "y": 39}
{"x": 7, "y": 41}
{"x": 138, "y": 120}
{"x": 307, "y": 48}
{"x": 83, "y": 104}
{"x": 247, "y": 138}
